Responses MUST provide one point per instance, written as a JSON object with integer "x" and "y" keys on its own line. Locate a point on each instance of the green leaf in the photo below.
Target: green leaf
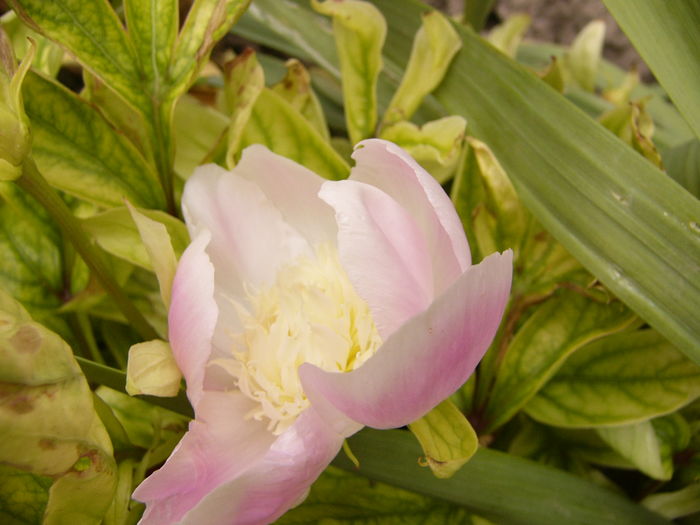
{"x": 683, "y": 165}
{"x": 243, "y": 81}
{"x": 621, "y": 379}
{"x": 359, "y": 30}
{"x": 116, "y": 232}
{"x": 207, "y": 22}
{"x": 666, "y": 36}
{"x": 23, "y": 496}
{"x": 675, "y": 504}
{"x": 194, "y": 143}
{"x": 436, "y": 145}
{"x": 508, "y": 35}
{"x": 583, "y": 57}
{"x": 558, "y": 328}
{"x": 498, "y": 486}
{"x": 296, "y": 89}
{"x": 434, "y": 47}
{"x": 632, "y": 123}
{"x": 159, "y": 246}
{"x": 48, "y": 55}
{"x": 94, "y": 34}
{"x": 153, "y": 26}
{"x": 31, "y": 249}
{"x": 639, "y": 444}
{"x": 48, "y": 422}
{"x": 277, "y": 125}
{"x": 447, "y": 438}
{"x": 80, "y": 153}
{"x": 339, "y": 497}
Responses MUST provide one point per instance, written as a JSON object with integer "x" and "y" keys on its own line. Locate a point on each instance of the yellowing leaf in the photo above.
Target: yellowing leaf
{"x": 447, "y": 438}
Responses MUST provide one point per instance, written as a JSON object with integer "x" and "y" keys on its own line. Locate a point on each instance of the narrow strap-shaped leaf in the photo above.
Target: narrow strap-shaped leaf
{"x": 666, "y": 35}
{"x": 626, "y": 221}
{"x": 502, "y": 488}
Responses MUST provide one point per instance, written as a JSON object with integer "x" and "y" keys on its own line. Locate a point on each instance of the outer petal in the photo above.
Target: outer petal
{"x": 388, "y": 167}
{"x": 250, "y": 238}
{"x": 219, "y": 446}
{"x": 193, "y": 314}
{"x": 383, "y": 251}
{"x": 292, "y": 189}
{"x": 278, "y": 482}
{"x": 426, "y": 360}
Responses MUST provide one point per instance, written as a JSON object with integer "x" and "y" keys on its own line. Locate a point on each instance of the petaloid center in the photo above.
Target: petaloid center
{"x": 310, "y": 314}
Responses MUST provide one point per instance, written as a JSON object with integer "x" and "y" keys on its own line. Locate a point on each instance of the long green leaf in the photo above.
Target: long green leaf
{"x": 666, "y": 35}
{"x": 626, "y": 221}
{"x": 500, "y": 487}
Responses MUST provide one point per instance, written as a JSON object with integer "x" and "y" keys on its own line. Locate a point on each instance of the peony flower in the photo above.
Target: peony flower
{"x": 305, "y": 309}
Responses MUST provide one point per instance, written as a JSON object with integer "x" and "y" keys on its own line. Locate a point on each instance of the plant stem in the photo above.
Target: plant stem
{"x": 34, "y": 183}
{"x": 476, "y": 12}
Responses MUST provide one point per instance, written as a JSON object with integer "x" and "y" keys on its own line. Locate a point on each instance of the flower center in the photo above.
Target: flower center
{"x": 311, "y": 314}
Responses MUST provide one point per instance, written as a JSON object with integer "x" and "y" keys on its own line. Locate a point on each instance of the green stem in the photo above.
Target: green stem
{"x": 163, "y": 155}
{"x": 34, "y": 183}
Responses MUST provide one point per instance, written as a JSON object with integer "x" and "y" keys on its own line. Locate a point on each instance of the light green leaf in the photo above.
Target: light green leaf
{"x": 666, "y": 36}
{"x": 153, "y": 26}
{"x": 243, "y": 81}
{"x": 582, "y": 60}
{"x": 359, "y": 30}
{"x": 554, "y": 75}
{"x": 296, "y": 89}
{"x": 48, "y": 56}
{"x": 116, "y": 232}
{"x": 632, "y": 123}
{"x": 94, "y": 34}
{"x": 683, "y": 165}
{"x": 558, "y": 328}
{"x": 277, "y": 125}
{"x": 152, "y": 370}
{"x": 338, "y": 498}
{"x": 508, "y": 35}
{"x": 434, "y": 47}
{"x": 621, "y": 379}
{"x": 48, "y": 422}
{"x": 638, "y": 443}
{"x": 159, "y": 246}
{"x": 447, "y": 438}
{"x": 675, "y": 504}
{"x": 80, "y": 153}
{"x": 194, "y": 143}
{"x": 207, "y": 22}
{"x": 436, "y": 145}
{"x": 497, "y": 486}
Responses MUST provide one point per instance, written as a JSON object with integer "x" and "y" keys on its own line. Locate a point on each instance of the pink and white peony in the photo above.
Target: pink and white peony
{"x": 305, "y": 309}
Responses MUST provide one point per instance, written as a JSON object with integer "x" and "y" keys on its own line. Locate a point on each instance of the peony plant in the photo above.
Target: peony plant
{"x": 305, "y": 309}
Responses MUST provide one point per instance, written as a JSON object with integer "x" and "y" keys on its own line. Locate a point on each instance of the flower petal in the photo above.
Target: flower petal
{"x": 249, "y": 237}
{"x": 278, "y": 482}
{"x": 292, "y": 189}
{"x": 391, "y": 169}
{"x": 383, "y": 251}
{"x": 219, "y": 446}
{"x": 193, "y": 314}
{"x": 426, "y": 360}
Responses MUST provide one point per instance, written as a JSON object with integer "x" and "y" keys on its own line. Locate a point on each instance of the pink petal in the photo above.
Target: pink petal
{"x": 275, "y": 484}
{"x": 426, "y": 360}
{"x": 219, "y": 446}
{"x": 249, "y": 237}
{"x": 383, "y": 251}
{"x": 292, "y": 189}
{"x": 391, "y": 169}
{"x": 193, "y": 314}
